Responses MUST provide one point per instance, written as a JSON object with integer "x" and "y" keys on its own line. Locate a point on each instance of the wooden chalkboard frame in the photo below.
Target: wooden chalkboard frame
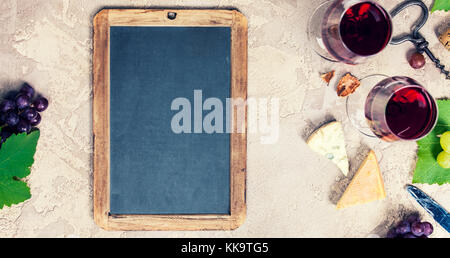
{"x": 101, "y": 119}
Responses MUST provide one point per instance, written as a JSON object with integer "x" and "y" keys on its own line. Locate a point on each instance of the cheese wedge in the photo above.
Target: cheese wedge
{"x": 366, "y": 186}
{"x": 329, "y": 141}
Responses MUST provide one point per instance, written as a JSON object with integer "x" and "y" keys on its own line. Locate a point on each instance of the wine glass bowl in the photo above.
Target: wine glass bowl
{"x": 399, "y": 108}
{"x": 392, "y": 108}
{"x": 349, "y": 31}
{"x": 355, "y": 103}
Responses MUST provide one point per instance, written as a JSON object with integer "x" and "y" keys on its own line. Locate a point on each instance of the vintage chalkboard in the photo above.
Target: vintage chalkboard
{"x": 146, "y": 175}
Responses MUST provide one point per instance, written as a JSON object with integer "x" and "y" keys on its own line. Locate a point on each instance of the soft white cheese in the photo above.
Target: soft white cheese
{"x": 329, "y": 141}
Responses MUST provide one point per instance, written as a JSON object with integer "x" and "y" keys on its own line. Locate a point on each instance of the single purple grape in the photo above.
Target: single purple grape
{"x": 427, "y": 228}
{"x": 22, "y": 101}
{"x": 29, "y": 113}
{"x": 40, "y": 104}
{"x": 417, "y": 228}
{"x": 12, "y": 118}
{"x": 409, "y": 235}
{"x": 23, "y": 126}
{"x": 7, "y": 105}
{"x": 4, "y": 134}
{"x": 27, "y": 90}
{"x": 417, "y": 60}
{"x": 36, "y": 120}
{"x": 403, "y": 228}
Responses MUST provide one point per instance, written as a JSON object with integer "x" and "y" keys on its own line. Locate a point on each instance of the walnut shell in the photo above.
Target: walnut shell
{"x": 326, "y": 77}
{"x": 347, "y": 85}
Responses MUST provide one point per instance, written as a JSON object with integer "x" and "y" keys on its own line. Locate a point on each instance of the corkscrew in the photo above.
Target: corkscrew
{"x": 415, "y": 37}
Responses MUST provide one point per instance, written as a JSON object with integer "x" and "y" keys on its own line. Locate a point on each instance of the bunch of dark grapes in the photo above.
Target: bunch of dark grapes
{"x": 21, "y": 113}
{"x": 411, "y": 228}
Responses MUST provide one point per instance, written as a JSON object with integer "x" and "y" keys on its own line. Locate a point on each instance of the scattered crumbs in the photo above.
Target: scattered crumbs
{"x": 327, "y": 76}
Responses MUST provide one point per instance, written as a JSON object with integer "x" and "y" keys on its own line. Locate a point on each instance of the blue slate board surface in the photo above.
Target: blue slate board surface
{"x": 154, "y": 170}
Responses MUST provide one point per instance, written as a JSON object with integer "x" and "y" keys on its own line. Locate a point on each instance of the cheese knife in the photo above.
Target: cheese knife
{"x": 439, "y": 214}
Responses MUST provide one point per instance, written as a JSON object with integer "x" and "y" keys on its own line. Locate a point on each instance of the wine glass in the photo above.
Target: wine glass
{"x": 396, "y": 108}
{"x": 349, "y": 31}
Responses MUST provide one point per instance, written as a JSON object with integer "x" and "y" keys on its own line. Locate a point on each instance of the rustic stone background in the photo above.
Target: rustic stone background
{"x": 291, "y": 190}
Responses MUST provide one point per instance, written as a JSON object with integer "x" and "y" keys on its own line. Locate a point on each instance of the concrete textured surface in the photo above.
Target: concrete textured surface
{"x": 291, "y": 191}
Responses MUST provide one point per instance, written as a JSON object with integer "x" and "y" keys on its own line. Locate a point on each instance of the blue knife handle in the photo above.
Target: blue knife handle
{"x": 431, "y": 206}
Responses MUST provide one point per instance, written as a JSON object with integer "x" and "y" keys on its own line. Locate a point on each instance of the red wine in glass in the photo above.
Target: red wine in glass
{"x": 409, "y": 112}
{"x": 399, "y": 108}
{"x": 349, "y": 31}
{"x": 365, "y": 28}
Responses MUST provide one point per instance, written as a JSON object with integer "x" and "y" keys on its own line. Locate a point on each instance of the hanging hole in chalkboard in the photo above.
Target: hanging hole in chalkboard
{"x": 171, "y": 15}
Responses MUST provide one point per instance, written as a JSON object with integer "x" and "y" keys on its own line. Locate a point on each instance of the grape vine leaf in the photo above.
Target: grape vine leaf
{"x": 441, "y": 5}
{"x": 13, "y": 192}
{"x": 16, "y": 158}
{"x": 427, "y": 169}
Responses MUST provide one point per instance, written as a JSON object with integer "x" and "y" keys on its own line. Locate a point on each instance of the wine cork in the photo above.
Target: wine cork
{"x": 445, "y": 39}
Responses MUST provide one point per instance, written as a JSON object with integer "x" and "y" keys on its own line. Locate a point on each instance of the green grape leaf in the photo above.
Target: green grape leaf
{"x": 16, "y": 158}
{"x": 16, "y": 154}
{"x": 427, "y": 169}
{"x": 441, "y": 5}
{"x": 13, "y": 191}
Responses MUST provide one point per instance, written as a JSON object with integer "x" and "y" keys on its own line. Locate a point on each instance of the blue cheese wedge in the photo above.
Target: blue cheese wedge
{"x": 329, "y": 141}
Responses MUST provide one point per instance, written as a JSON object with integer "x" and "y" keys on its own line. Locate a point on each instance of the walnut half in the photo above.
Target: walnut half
{"x": 347, "y": 85}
